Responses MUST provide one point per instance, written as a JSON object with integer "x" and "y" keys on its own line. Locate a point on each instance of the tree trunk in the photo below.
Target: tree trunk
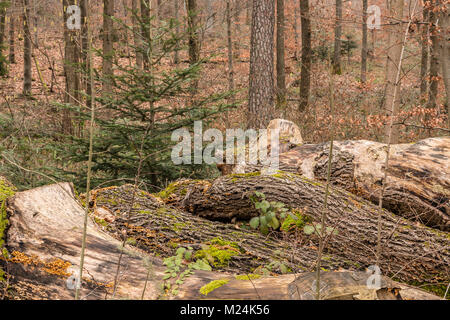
{"x": 424, "y": 54}
{"x": 52, "y": 244}
{"x": 12, "y": 25}
{"x": 145, "y": 29}
{"x": 27, "y": 49}
{"x": 230, "y": 53}
{"x": 434, "y": 55}
{"x": 305, "y": 77}
{"x": 261, "y": 86}
{"x": 410, "y": 251}
{"x": 176, "y": 5}
{"x": 445, "y": 58}
{"x": 416, "y": 188}
{"x": 364, "y": 43}
{"x": 337, "y": 38}
{"x": 281, "y": 76}
{"x": 72, "y": 57}
{"x": 295, "y": 27}
{"x": 84, "y": 7}
{"x": 3, "y": 66}
{"x": 194, "y": 44}
{"x": 393, "y": 61}
{"x": 108, "y": 44}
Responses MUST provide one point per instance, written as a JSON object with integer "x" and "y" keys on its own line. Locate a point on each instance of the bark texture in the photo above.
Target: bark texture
{"x": 261, "y": 84}
{"x": 411, "y": 251}
{"x": 418, "y": 180}
{"x": 392, "y": 64}
{"x": 305, "y": 76}
{"x": 44, "y": 239}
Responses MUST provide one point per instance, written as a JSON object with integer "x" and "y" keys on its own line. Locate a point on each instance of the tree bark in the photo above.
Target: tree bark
{"x": 12, "y": 25}
{"x": 261, "y": 82}
{"x": 281, "y": 75}
{"x": 392, "y": 64}
{"x": 305, "y": 76}
{"x": 27, "y": 49}
{"x": 3, "y": 66}
{"x": 108, "y": 44}
{"x": 445, "y": 58}
{"x": 410, "y": 251}
{"x": 72, "y": 56}
{"x": 194, "y": 44}
{"x": 52, "y": 244}
{"x": 337, "y": 38}
{"x": 176, "y": 58}
{"x": 434, "y": 55}
{"x": 364, "y": 43}
{"x": 145, "y": 32}
{"x": 424, "y": 54}
{"x": 230, "y": 53}
{"x": 416, "y": 188}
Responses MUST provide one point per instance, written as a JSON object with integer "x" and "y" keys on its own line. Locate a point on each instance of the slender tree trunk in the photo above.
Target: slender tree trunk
{"x": 108, "y": 43}
{"x": 27, "y": 49}
{"x": 424, "y": 54}
{"x": 3, "y": 66}
{"x": 434, "y": 56}
{"x": 145, "y": 17}
{"x": 295, "y": 26}
{"x": 230, "y": 51}
{"x": 84, "y": 6}
{"x": 176, "y": 5}
{"x": 281, "y": 76}
{"x": 393, "y": 60}
{"x": 248, "y": 15}
{"x": 136, "y": 32}
{"x": 364, "y": 44}
{"x": 237, "y": 22}
{"x": 261, "y": 82}
{"x": 337, "y": 39}
{"x": 72, "y": 57}
{"x": 12, "y": 24}
{"x": 36, "y": 24}
{"x": 194, "y": 44}
{"x": 445, "y": 58}
{"x": 305, "y": 81}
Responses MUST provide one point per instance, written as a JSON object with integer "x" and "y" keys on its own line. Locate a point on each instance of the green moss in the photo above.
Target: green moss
{"x": 290, "y": 222}
{"x": 101, "y": 222}
{"x": 216, "y": 254}
{"x": 213, "y": 285}
{"x": 236, "y": 176}
{"x": 6, "y": 191}
{"x": 131, "y": 241}
{"x": 437, "y": 289}
{"x": 250, "y": 276}
{"x": 172, "y": 188}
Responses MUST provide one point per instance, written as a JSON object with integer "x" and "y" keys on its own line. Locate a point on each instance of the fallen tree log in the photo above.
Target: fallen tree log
{"x": 44, "y": 237}
{"x": 418, "y": 184}
{"x": 411, "y": 251}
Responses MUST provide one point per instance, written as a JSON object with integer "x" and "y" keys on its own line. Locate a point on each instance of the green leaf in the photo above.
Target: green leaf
{"x": 180, "y": 251}
{"x": 264, "y": 229}
{"x": 265, "y": 205}
{"x": 188, "y": 255}
{"x": 275, "y": 224}
{"x": 254, "y": 222}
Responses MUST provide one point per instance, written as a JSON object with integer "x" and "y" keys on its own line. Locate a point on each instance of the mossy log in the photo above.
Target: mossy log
{"x": 44, "y": 239}
{"x": 160, "y": 229}
{"x": 418, "y": 184}
{"x": 410, "y": 251}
